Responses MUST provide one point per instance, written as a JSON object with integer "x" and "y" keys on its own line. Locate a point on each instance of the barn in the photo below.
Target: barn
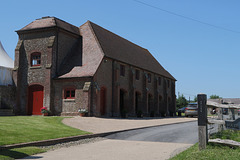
{"x": 66, "y": 68}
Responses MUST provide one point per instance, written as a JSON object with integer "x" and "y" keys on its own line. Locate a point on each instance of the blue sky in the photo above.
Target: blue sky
{"x": 203, "y": 59}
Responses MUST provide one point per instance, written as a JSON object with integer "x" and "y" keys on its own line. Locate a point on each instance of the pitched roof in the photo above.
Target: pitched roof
{"x": 91, "y": 56}
{"x": 112, "y": 46}
{"x": 120, "y": 49}
{"x": 226, "y": 100}
{"x": 48, "y": 22}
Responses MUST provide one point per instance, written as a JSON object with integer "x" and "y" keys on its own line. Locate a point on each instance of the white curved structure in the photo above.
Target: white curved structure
{"x": 6, "y": 66}
{"x": 5, "y": 60}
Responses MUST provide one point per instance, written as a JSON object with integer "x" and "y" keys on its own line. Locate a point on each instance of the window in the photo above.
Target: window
{"x": 137, "y": 75}
{"x": 168, "y": 83}
{"x": 122, "y": 70}
{"x": 159, "y": 81}
{"x": 36, "y": 59}
{"x": 149, "y": 77}
{"x": 160, "y": 98}
{"x": 69, "y": 94}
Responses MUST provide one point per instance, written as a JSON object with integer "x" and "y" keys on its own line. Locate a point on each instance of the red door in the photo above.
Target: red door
{"x": 35, "y": 99}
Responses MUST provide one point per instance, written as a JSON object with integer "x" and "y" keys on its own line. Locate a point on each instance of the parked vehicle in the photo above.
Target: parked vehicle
{"x": 182, "y": 110}
{"x": 225, "y": 111}
{"x": 191, "y": 110}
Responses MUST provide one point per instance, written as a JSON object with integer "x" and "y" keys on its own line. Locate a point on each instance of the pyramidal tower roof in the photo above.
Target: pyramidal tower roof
{"x": 5, "y": 60}
{"x": 49, "y": 22}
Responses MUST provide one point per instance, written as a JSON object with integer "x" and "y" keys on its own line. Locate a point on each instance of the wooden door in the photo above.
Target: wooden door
{"x": 35, "y": 99}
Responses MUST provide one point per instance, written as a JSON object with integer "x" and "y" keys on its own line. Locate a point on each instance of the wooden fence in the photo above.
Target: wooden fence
{"x": 226, "y": 116}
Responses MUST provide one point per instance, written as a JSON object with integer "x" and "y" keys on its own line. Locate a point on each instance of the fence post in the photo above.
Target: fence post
{"x": 202, "y": 121}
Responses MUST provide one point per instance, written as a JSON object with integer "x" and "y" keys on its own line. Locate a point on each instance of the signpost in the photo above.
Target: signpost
{"x": 202, "y": 121}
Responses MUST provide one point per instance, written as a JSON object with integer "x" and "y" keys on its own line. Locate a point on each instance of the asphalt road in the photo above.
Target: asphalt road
{"x": 177, "y": 133}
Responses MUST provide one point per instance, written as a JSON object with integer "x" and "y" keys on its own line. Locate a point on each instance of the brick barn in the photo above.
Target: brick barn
{"x": 65, "y": 68}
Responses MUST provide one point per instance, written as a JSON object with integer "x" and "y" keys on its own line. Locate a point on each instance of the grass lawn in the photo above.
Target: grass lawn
{"x": 15, "y": 153}
{"x": 19, "y": 129}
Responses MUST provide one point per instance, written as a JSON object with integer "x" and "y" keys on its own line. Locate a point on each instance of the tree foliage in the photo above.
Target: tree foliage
{"x": 195, "y": 99}
{"x": 214, "y": 96}
{"x": 181, "y": 101}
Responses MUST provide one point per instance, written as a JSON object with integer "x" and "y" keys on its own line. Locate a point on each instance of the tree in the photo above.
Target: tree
{"x": 181, "y": 101}
{"x": 214, "y": 96}
{"x": 195, "y": 98}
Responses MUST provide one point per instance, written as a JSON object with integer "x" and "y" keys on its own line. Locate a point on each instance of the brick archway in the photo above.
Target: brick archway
{"x": 35, "y": 99}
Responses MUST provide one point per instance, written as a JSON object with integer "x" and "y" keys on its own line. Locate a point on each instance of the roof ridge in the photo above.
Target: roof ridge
{"x": 64, "y": 22}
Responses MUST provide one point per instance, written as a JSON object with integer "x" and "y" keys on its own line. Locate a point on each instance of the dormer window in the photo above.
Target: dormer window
{"x": 36, "y": 59}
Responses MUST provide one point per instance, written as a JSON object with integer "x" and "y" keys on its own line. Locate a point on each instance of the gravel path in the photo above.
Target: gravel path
{"x": 73, "y": 143}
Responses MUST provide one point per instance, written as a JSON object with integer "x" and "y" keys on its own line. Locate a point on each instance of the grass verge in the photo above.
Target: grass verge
{"x": 11, "y": 154}
{"x": 212, "y": 152}
{"x": 228, "y": 134}
{"x": 20, "y": 129}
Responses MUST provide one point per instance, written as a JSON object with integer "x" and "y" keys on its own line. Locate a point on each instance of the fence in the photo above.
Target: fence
{"x": 226, "y": 116}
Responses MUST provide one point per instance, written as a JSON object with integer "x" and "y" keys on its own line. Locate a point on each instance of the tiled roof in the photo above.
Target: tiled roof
{"x": 120, "y": 49}
{"x": 105, "y": 44}
{"x": 48, "y": 22}
{"x": 91, "y": 56}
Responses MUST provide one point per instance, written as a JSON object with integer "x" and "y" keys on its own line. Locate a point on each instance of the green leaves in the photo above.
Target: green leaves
{"x": 181, "y": 101}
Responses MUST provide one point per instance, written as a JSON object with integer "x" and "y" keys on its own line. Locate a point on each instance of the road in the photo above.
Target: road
{"x": 157, "y": 143}
{"x": 177, "y": 133}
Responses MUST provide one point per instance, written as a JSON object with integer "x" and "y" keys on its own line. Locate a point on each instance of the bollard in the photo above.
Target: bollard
{"x": 202, "y": 121}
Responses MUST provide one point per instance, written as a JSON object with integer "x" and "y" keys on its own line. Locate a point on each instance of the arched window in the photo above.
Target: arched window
{"x": 36, "y": 59}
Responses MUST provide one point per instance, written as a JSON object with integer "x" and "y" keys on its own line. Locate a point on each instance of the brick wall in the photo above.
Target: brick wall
{"x": 64, "y": 106}
{"x": 153, "y": 98}
{"x": 103, "y": 79}
{"x": 53, "y": 45}
{"x": 7, "y": 97}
